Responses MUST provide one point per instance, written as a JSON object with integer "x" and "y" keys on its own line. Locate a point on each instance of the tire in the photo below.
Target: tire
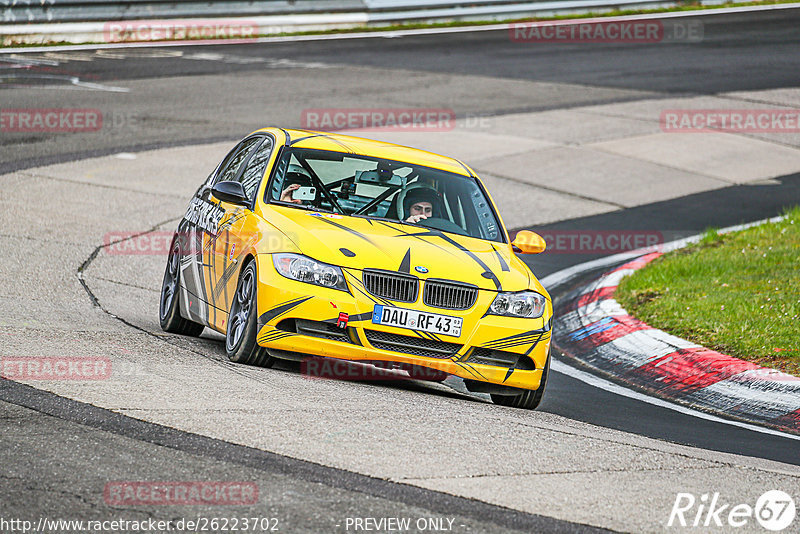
{"x": 240, "y": 335}
{"x": 530, "y": 398}
{"x": 169, "y": 309}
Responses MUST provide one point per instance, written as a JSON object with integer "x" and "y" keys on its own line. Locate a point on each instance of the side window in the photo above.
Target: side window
{"x": 230, "y": 168}
{"x": 276, "y": 187}
{"x": 212, "y": 178}
{"x": 254, "y": 171}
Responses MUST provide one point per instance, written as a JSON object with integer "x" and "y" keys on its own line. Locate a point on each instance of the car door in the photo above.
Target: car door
{"x": 235, "y": 230}
{"x": 199, "y": 230}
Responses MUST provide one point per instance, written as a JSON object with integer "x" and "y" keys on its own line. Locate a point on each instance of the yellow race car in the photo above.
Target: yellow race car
{"x": 308, "y": 244}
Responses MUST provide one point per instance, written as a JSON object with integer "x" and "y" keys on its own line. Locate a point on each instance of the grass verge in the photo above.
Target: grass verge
{"x": 736, "y": 293}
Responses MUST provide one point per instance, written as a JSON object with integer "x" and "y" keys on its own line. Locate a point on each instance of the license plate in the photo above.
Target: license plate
{"x": 417, "y": 320}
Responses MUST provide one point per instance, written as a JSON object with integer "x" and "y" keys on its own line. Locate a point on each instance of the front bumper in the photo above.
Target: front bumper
{"x": 302, "y": 318}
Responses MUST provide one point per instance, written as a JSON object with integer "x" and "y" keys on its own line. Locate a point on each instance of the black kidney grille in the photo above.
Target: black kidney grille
{"x": 392, "y": 286}
{"x": 449, "y": 295}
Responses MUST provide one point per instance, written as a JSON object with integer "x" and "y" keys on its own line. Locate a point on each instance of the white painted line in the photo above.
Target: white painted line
{"x": 99, "y": 86}
{"x": 73, "y": 82}
{"x": 592, "y": 380}
{"x": 396, "y": 33}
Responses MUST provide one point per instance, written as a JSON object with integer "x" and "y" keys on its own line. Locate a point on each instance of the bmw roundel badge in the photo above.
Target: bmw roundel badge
{"x": 421, "y": 269}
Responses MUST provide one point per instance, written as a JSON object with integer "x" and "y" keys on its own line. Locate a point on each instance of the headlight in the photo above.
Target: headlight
{"x": 523, "y": 304}
{"x": 304, "y": 269}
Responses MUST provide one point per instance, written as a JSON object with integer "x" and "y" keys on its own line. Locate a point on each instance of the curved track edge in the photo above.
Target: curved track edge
{"x": 592, "y": 329}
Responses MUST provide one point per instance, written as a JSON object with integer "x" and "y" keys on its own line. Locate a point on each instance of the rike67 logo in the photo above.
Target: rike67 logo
{"x": 774, "y": 511}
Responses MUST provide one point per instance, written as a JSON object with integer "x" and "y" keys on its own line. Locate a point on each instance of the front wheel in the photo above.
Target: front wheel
{"x": 169, "y": 313}
{"x": 240, "y": 336}
{"x": 529, "y": 399}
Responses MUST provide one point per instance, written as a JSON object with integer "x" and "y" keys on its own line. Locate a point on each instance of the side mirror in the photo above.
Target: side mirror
{"x": 528, "y": 242}
{"x": 232, "y": 192}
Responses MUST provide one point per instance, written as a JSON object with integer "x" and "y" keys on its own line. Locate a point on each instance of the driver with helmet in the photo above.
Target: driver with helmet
{"x": 421, "y": 203}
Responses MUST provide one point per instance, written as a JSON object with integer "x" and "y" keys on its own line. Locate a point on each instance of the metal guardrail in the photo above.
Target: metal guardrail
{"x": 32, "y": 11}
{"x": 510, "y": 10}
{"x": 43, "y": 22}
{"x": 58, "y": 11}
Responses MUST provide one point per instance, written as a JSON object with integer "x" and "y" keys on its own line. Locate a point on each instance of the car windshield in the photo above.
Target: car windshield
{"x": 366, "y": 186}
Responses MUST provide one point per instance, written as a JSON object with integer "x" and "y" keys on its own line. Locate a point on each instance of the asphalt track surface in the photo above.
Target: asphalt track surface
{"x": 183, "y": 102}
{"x": 197, "y": 96}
